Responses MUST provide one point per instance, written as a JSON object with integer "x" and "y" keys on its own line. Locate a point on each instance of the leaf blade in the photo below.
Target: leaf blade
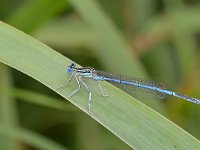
{"x": 134, "y": 123}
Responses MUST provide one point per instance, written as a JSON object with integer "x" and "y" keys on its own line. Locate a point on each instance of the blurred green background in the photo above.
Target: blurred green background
{"x": 151, "y": 39}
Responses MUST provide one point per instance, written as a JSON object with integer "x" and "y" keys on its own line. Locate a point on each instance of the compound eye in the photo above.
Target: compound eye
{"x": 72, "y": 65}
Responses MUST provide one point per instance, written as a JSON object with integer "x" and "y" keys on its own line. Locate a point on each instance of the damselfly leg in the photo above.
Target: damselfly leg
{"x": 101, "y": 89}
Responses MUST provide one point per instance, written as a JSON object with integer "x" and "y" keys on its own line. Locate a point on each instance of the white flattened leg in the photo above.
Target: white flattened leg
{"x": 102, "y": 91}
{"x": 68, "y": 81}
{"x": 79, "y": 86}
{"x": 90, "y": 94}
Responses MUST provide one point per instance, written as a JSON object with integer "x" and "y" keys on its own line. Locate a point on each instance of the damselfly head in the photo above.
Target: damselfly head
{"x": 70, "y": 68}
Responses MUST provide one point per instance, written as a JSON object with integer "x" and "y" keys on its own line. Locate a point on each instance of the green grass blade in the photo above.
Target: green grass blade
{"x": 34, "y": 13}
{"x": 130, "y": 120}
{"x": 39, "y": 99}
{"x": 30, "y": 138}
{"x": 7, "y": 110}
{"x": 66, "y": 33}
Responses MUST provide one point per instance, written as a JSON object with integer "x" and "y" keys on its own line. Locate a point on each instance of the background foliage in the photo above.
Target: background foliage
{"x": 152, "y": 39}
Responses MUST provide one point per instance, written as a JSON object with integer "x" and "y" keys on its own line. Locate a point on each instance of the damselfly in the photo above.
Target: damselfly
{"x": 157, "y": 89}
